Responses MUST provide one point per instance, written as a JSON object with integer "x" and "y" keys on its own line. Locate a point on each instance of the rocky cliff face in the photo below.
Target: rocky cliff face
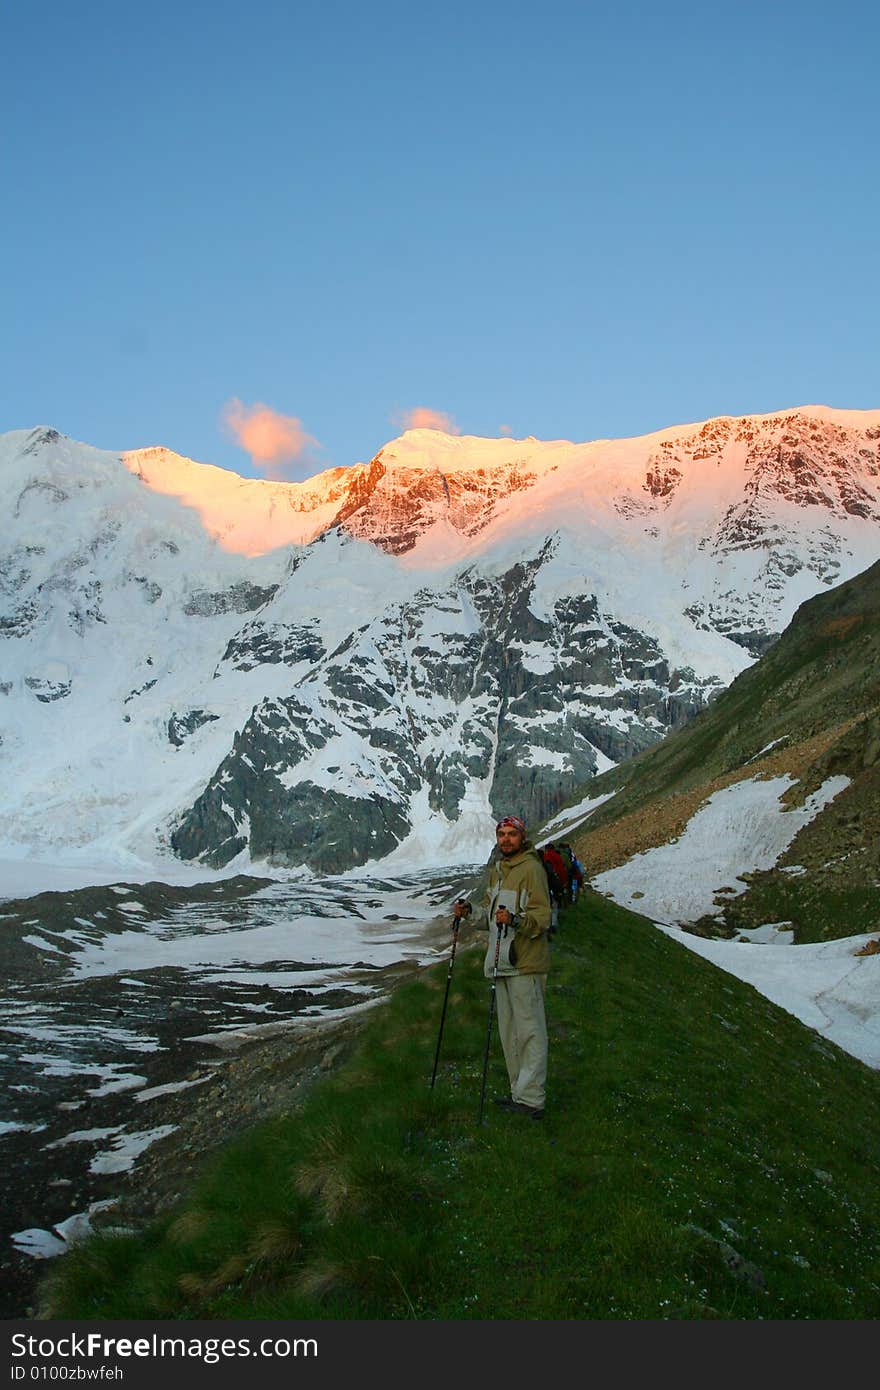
{"x": 456, "y": 693}
{"x": 458, "y": 628}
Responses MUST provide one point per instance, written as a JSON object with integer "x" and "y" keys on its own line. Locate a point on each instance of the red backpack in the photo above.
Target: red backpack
{"x": 554, "y": 859}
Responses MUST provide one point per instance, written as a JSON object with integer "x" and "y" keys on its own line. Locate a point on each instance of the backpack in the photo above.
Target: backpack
{"x": 557, "y": 878}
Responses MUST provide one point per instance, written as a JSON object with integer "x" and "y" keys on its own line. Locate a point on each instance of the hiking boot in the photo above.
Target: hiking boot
{"x": 506, "y": 1102}
{"x": 532, "y": 1111}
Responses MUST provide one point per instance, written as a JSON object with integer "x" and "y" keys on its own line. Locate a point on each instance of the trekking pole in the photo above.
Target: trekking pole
{"x": 491, "y": 1017}
{"x": 456, "y": 924}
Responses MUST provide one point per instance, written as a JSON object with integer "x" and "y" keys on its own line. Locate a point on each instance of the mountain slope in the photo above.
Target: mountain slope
{"x": 804, "y": 719}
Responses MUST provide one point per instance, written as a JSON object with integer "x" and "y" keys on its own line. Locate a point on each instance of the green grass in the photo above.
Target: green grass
{"x": 703, "y": 1155}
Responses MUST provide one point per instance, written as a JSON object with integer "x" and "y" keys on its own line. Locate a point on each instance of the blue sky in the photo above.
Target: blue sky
{"x": 567, "y": 220}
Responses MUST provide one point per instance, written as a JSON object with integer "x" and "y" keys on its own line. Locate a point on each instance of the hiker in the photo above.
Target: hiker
{"x": 575, "y": 871}
{"x": 566, "y": 854}
{"x": 554, "y": 887}
{"x": 516, "y": 906}
{"x": 554, "y": 859}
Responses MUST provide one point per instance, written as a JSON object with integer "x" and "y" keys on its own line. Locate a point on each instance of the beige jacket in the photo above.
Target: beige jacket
{"x": 520, "y": 885}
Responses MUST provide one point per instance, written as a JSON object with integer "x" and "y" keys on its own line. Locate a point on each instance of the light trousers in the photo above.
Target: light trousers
{"x": 521, "y": 1022}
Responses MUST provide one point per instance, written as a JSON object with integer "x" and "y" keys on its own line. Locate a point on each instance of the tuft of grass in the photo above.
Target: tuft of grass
{"x": 703, "y": 1155}
{"x": 326, "y": 1175}
{"x": 188, "y": 1227}
{"x": 200, "y": 1287}
{"x": 322, "y": 1278}
{"x": 277, "y": 1242}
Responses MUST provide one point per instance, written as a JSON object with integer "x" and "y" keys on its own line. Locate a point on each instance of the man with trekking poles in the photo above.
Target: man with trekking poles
{"x": 516, "y": 905}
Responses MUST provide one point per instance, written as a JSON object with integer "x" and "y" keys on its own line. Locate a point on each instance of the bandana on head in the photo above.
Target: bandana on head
{"x": 512, "y": 820}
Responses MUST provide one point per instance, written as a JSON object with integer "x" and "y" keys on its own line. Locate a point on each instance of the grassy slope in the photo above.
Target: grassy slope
{"x": 816, "y": 696}
{"x": 703, "y": 1156}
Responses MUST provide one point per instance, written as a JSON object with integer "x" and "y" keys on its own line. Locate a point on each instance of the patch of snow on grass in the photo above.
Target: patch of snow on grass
{"x": 741, "y": 828}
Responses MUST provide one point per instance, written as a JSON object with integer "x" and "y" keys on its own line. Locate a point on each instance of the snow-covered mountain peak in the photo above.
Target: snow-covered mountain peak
{"x": 430, "y": 450}
{"x": 315, "y": 672}
{"x": 466, "y": 485}
{"x": 250, "y": 516}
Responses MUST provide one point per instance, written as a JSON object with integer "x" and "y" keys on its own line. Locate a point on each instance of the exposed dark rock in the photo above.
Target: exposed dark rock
{"x": 21, "y": 620}
{"x": 180, "y": 726}
{"x": 47, "y": 691}
{"x": 261, "y": 644}
{"x": 142, "y": 690}
{"x": 241, "y": 598}
{"x": 39, "y": 438}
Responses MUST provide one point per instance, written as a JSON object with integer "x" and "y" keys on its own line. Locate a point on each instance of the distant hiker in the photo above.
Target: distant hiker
{"x": 577, "y": 883}
{"x": 566, "y": 854}
{"x": 516, "y": 907}
{"x": 575, "y": 870}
